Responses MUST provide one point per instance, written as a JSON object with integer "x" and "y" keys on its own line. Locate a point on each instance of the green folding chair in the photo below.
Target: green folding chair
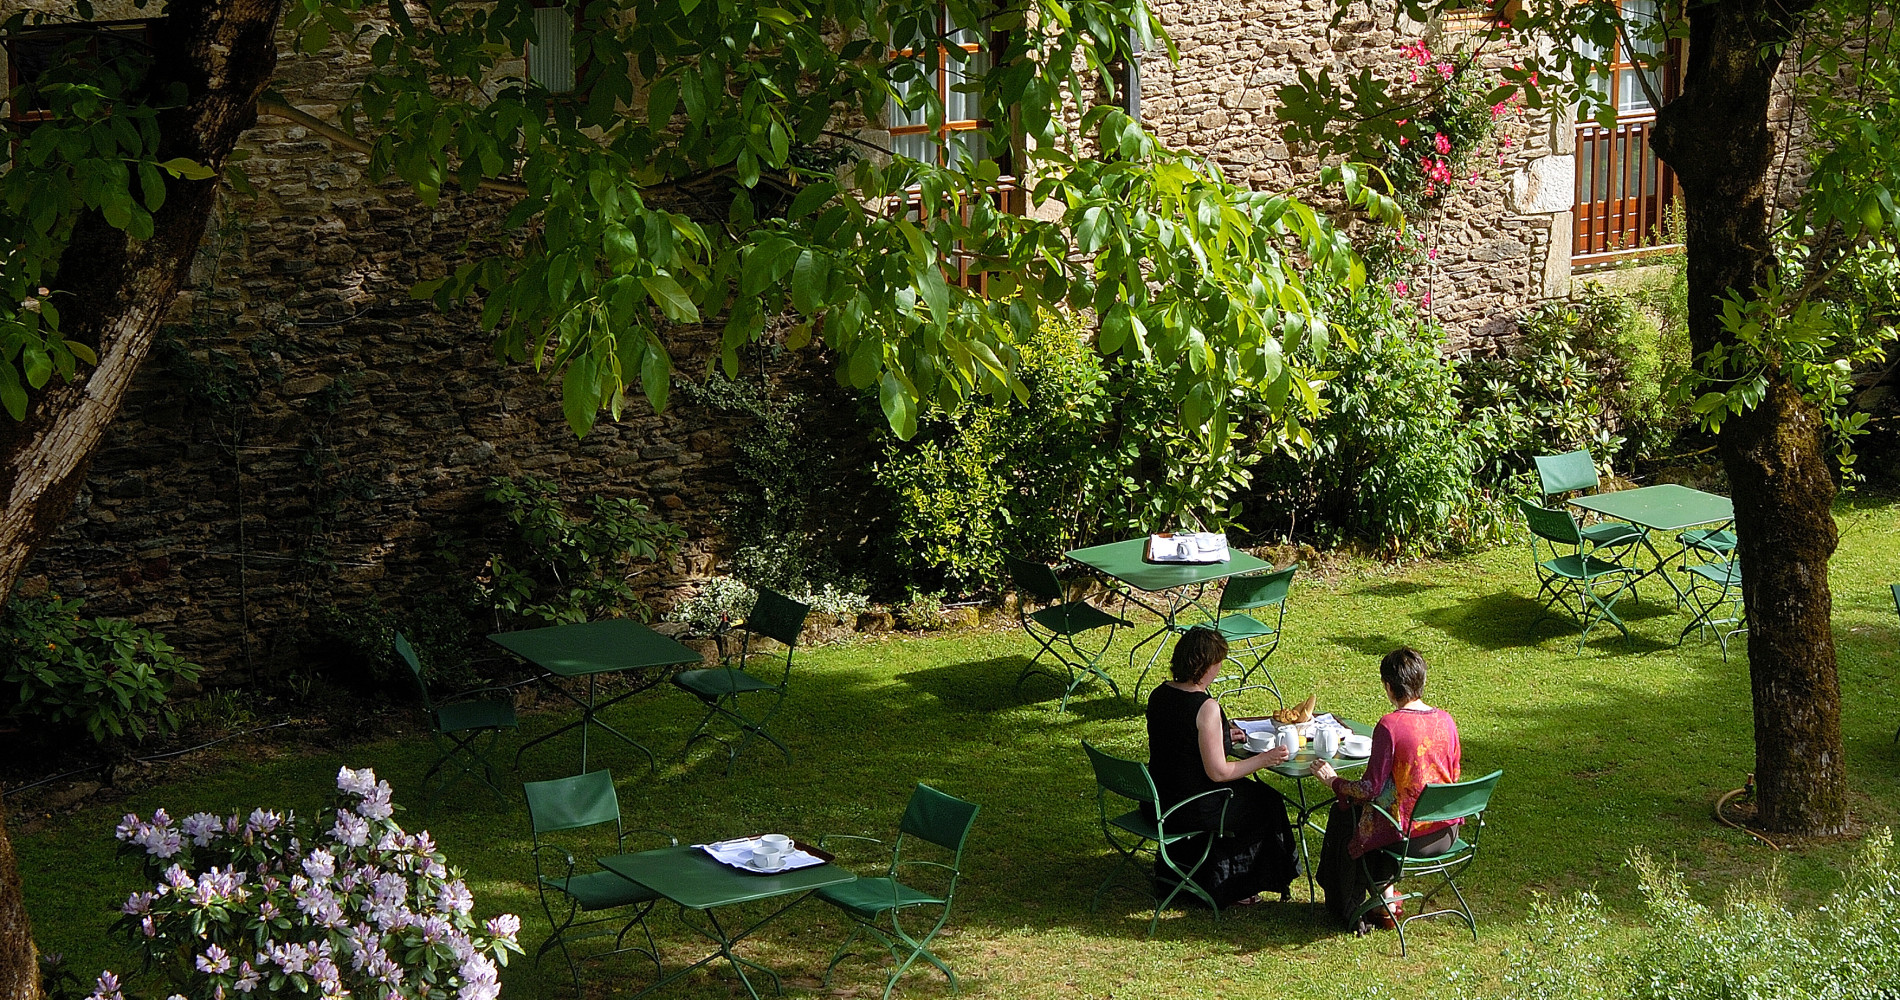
{"x": 1576, "y": 472}
{"x": 1569, "y": 570}
{"x": 1714, "y": 593}
{"x": 1465, "y": 800}
{"x": 721, "y": 688}
{"x": 1058, "y": 628}
{"x": 933, "y": 818}
{"x": 565, "y": 805}
{"x": 461, "y": 721}
{"x": 1132, "y": 834}
{"x": 1245, "y": 603}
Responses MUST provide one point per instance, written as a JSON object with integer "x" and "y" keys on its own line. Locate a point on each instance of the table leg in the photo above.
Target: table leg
{"x": 590, "y": 717}
{"x": 719, "y": 936}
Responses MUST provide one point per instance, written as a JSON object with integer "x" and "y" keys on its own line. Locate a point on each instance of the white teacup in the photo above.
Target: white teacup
{"x": 1261, "y": 741}
{"x": 1356, "y": 745}
{"x": 768, "y": 860}
{"x": 777, "y": 843}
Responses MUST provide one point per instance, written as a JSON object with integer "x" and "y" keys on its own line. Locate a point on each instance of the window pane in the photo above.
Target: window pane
{"x": 1630, "y": 98}
{"x": 972, "y": 141}
{"x": 963, "y": 107}
{"x": 916, "y": 145}
{"x": 551, "y": 60}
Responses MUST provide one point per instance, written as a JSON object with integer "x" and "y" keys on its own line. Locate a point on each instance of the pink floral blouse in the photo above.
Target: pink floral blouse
{"x": 1410, "y": 749}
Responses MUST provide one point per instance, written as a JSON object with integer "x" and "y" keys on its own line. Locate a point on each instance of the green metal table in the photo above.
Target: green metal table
{"x": 690, "y": 878}
{"x": 1173, "y": 588}
{"x": 589, "y": 649}
{"x": 1298, "y": 770}
{"x": 1666, "y": 507}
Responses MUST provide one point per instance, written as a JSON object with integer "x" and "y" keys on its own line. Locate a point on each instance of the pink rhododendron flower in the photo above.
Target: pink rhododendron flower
{"x": 1441, "y": 143}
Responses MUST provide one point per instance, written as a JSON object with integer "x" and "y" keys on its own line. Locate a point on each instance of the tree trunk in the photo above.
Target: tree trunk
{"x": 1717, "y": 140}
{"x": 224, "y": 52}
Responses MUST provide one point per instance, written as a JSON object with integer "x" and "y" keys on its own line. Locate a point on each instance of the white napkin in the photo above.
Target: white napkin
{"x": 739, "y": 852}
{"x": 1189, "y": 547}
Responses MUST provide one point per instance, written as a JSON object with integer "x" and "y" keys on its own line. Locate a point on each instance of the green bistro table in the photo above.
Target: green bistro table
{"x": 1170, "y": 588}
{"x": 589, "y": 649}
{"x": 1667, "y": 508}
{"x": 1298, "y": 770}
{"x": 690, "y": 878}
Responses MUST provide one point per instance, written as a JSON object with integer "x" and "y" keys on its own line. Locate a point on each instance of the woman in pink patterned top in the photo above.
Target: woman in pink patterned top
{"x": 1413, "y": 746}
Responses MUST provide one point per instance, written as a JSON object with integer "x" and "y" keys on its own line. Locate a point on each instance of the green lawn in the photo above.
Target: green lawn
{"x": 1625, "y": 745}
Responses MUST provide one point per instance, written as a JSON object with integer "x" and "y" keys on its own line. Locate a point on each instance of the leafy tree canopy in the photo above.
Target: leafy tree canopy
{"x": 709, "y": 168}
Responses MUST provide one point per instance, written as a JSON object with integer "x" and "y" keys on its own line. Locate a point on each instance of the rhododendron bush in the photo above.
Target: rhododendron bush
{"x": 346, "y": 905}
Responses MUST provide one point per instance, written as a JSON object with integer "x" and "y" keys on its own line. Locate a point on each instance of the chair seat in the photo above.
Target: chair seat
{"x": 1232, "y": 627}
{"x": 1459, "y": 846}
{"x": 1073, "y": 618}
{"x": 602, "y": 890}
{"x": 868, "y": 897}
{"x": 1716, "y": 540}
{"x": 462, "y": 716}
{"x": 717, "y": 682}
{"x": 1724, "y": 574}
{"x": 1137, "y": 822}
{"x": 1576, "y": 567}
{"x": 1612, "y": 533}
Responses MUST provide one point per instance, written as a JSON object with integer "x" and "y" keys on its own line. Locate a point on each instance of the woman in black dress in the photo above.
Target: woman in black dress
{"x": 1187, "y": 754}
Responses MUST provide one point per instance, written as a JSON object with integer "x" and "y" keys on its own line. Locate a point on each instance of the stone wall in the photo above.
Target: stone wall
{"x": 307, "y": 435}
{"x": 1502, "y": 241}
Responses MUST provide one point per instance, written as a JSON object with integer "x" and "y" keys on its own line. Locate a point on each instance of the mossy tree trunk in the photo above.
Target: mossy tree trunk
{"x": 1717, "y": 139}
{"x": 115, "y": 293}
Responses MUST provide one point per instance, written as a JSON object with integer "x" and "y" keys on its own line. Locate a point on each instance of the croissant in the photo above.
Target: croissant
{"x": 1303, "y": 712}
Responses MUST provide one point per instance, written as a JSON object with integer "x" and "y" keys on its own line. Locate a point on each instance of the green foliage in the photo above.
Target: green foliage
{"x": 1092, "y": 451}
{"x": 799, "y": 517}
{"x": 105, "y": 674}
{"x": 562, "y": 568}
{"x": 720, "y": 601}
{"x": 356, "y": 644}
{"x": 1183, "y": 268}
{"x": 919, "y": 611}
{"x": 95, "y": 152}
{"x": 1393, "y": 458}
{"x": 1754, "y": 946}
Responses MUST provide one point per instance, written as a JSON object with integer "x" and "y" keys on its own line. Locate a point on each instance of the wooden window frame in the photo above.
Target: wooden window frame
{"x": 1607, "y": 227}
{"x": 1006, "y": 194}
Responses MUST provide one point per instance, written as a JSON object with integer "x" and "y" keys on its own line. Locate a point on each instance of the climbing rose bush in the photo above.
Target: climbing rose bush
{"x": 346, "y": 906}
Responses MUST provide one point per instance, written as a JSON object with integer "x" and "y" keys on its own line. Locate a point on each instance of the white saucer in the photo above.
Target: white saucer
{"x": 753, "y": 863}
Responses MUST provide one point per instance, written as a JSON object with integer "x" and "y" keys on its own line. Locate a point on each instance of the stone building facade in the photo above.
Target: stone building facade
{"x": 308, "y": 435}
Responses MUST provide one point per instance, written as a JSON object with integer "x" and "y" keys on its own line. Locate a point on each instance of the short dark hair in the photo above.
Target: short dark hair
{"x": 1199, "y": 650}
{"x": 1403, "y": 670}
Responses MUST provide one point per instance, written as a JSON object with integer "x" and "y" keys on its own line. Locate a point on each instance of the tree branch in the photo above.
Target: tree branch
{"x": 279, "y": 109}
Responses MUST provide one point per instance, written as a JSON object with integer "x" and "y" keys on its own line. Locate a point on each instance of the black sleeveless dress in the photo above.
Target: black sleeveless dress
{"x": 1257, "y": 854}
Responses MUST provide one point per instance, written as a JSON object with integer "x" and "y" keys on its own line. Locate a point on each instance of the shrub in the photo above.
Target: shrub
{"x": 1094, "y": 451}
{"x": 357, "y": 643}
{"x": 720, "y": 601}
{"x": 564, "y": 568}
{"x": 267, "y": 902}
{"x": 1753, "y": 946}
{"x": 802, "y": 509}
{"x": 919, "y": 612}
{"x": 105, "y": 674}
{"x": 1391, "y": 459}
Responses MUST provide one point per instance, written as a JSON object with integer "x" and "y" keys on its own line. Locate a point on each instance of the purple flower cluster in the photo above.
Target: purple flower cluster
{"x": 357, "y": 908}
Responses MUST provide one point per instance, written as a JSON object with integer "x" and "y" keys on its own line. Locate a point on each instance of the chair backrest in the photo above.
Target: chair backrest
{"x": 1896, "y": 598}
{"x": 1243, "y": 593}
{"x": 938, "y": 817}
{"x": 1126, "y": 778}
{"x": 1574, "y": 470}
{"x": 408, "y": 654}
{"x": 776, "y": 616}
{"x": 1034, "y": 579}
{"x": 1438, "y": 803}
{"x": 1556, "y": 526}
{"x": 571, "y": 803}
